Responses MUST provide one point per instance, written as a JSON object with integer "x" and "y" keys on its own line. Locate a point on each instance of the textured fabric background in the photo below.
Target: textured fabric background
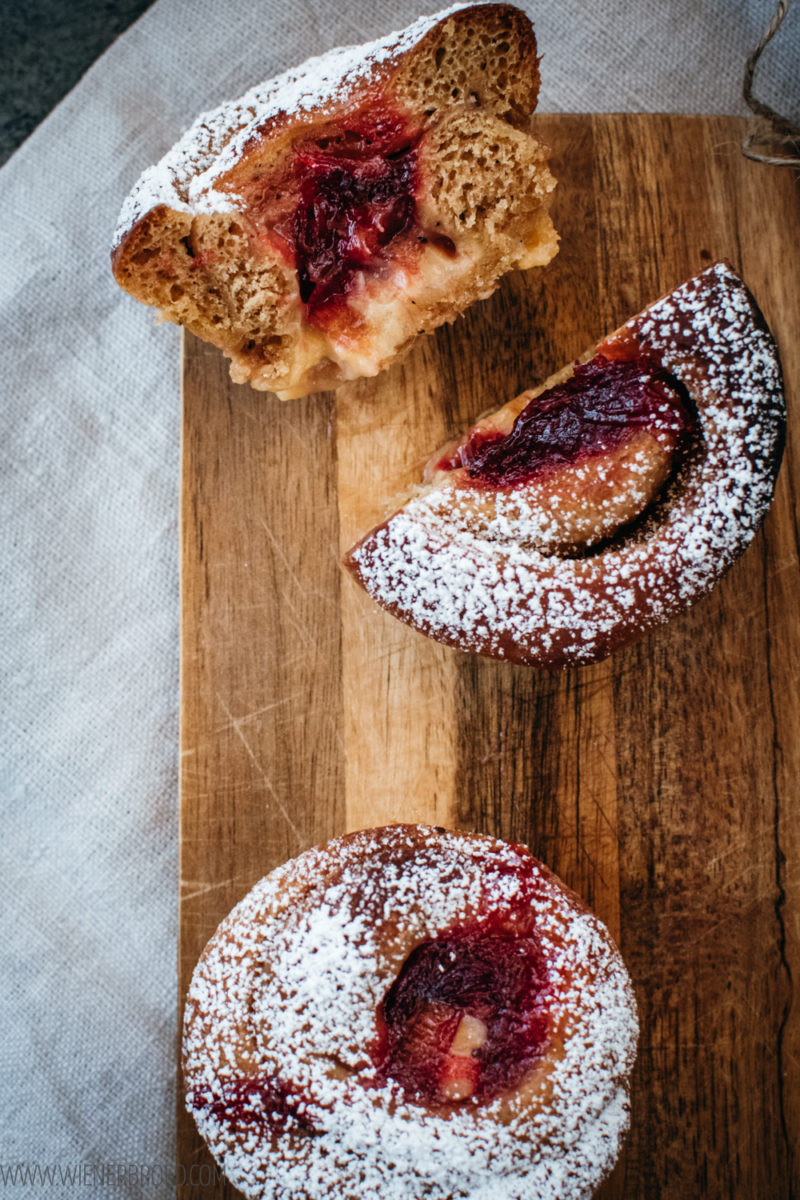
{"x": 88, "y": 511}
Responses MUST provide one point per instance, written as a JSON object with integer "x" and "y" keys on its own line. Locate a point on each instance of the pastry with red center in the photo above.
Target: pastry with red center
{"x": 586, "y": 512}
{"x": 314, "y": 228}
{"x": 410, "y": 1012}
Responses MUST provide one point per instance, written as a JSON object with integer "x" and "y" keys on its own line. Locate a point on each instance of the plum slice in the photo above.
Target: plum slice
{"x": 597, "y": 408}
{"x": 466, "y": 1017}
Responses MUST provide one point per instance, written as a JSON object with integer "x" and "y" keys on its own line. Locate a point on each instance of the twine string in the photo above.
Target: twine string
{"x": 776, "y": 131}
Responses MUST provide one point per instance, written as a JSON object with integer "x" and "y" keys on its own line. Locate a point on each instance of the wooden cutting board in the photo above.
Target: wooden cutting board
{"x": 662, "y": 785}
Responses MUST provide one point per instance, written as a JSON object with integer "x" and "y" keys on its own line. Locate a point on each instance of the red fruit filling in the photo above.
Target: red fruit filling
{"x": 466, "y": 1017}
{"x": 266, "y": 1105}
{"x": 357, "y": 195}
{"x": 594, "y": 410}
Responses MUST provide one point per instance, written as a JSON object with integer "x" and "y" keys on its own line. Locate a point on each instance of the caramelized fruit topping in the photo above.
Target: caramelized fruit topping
{"x": 596, "y": 409}
{"x": 466, "y": 1017}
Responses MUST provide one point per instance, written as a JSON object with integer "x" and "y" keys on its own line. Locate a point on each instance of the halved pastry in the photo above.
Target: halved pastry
{"x": 586, "y": 512}
{"x": 314, "y": 228}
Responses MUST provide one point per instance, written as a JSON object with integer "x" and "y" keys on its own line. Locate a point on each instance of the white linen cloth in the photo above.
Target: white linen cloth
{"x": 89, "y": 574}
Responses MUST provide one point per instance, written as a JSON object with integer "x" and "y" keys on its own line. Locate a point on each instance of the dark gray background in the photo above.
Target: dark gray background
{"x": 45, "y": 47}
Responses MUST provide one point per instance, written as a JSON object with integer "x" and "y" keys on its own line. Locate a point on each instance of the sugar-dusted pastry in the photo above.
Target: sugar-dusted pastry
{"x": 586, "y": 512}
{"x": 410, "y": 1012}
{"x": 315, "y": 227}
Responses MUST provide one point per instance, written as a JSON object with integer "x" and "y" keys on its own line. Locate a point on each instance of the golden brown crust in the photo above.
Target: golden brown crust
{"x": 442, "y": 61}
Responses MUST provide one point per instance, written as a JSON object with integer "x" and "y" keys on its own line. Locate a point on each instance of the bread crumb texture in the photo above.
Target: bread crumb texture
{"x": 207, "y": 235}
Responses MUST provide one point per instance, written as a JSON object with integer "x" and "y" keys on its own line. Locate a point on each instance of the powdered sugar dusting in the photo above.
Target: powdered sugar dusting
{"x": 491, "y": 587}
{"x": 288, "y": 991}
{"x": 185, "y": 179}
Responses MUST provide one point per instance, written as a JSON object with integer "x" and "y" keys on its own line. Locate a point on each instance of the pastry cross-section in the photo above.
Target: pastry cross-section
{"x": 314, "y": 228}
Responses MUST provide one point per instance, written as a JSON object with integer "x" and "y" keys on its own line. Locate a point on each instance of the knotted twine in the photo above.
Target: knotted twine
{"x": 775, "y": 133}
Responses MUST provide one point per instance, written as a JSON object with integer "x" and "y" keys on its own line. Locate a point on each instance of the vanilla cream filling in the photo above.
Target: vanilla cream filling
{"x": 387, "y": 311}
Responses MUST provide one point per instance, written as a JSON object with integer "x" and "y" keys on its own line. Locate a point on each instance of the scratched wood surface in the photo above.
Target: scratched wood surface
{"x": 662, "y": 784}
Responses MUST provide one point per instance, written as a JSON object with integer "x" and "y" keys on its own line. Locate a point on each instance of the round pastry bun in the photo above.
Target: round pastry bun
{"x": 285, "y": 1036}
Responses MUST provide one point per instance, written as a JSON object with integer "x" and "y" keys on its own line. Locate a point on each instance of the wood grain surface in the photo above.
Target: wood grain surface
{"x": 662, "y": 784}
